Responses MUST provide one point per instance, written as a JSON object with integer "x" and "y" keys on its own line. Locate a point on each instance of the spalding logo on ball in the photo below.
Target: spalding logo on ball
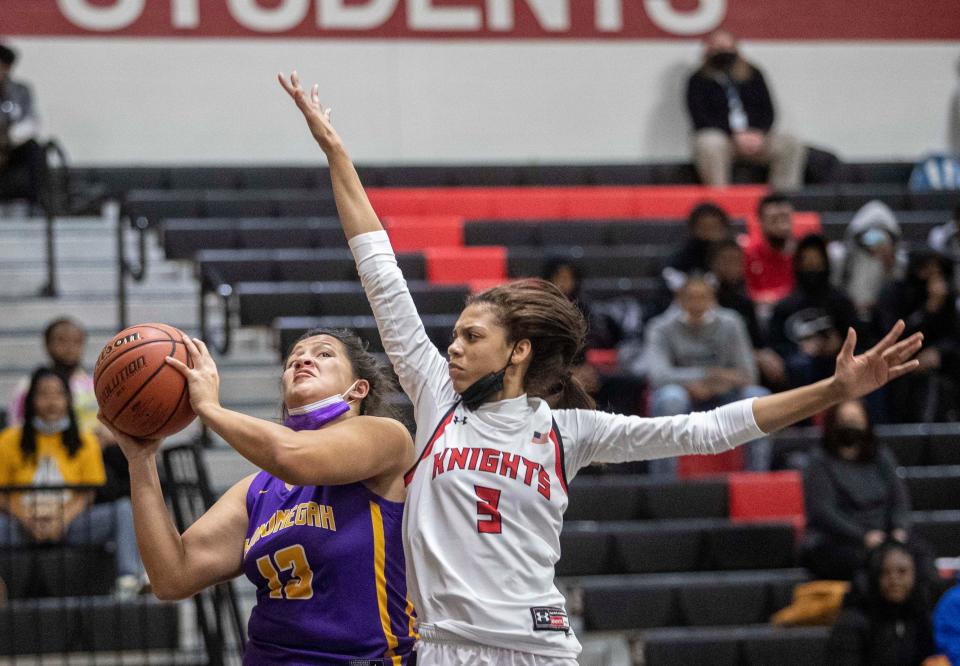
{"x": 137, "y": 391}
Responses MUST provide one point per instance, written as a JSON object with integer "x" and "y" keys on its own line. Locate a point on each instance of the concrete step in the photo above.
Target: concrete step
{"x": 101, "y": 278}
{"x": 176, "y": 310}
{"x": 73, "y": 238}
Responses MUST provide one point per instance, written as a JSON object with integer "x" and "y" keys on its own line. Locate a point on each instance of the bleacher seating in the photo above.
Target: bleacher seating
{"x": 685, "y": 563}
{"x": 702, "y": 544}
{"x": 698, "y": 599}
{"x": 86, "y": 624}
{"x": 749, "y": 645}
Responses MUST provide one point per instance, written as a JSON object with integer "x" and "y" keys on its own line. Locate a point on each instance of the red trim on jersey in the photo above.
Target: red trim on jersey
{"x": 428, "y": 449}
{"x": 558, "y": 449}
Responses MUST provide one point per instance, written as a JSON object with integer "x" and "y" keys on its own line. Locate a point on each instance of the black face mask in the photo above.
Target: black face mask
{"x": 722, "y": 59}
{"x": 845, "y": 436}
{"x": 478, "y": 392}
{"x": 815, "y": 281}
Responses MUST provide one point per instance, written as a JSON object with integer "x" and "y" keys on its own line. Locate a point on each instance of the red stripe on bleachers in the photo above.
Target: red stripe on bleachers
{"x": 512, "y": 203}
{"x": 767, "y": 496}
{"x": 462, "y": 265}
{"x": 409, "y": 233}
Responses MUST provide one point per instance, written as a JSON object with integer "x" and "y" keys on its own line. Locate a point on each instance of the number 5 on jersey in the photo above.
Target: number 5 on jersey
{"x": 488, "y": 516}
{"x": 300, "y": 585}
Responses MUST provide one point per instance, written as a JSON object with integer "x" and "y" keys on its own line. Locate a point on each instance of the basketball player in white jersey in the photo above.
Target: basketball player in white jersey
{"x": 497, "y": 441}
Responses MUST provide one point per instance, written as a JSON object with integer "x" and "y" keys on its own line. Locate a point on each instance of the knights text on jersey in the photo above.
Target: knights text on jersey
{"x": 485, "y": 505}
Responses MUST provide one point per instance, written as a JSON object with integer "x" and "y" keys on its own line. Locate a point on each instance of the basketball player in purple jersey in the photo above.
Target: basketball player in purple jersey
{"x": 325, "y": 548}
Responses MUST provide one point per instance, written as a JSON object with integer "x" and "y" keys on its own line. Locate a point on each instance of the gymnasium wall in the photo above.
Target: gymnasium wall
{"x": 461, "y": 81}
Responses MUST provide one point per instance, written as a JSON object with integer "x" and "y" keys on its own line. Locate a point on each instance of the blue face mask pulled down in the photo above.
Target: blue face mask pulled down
{"x": 51, "y": 427}
{"x": 318, "y": 414}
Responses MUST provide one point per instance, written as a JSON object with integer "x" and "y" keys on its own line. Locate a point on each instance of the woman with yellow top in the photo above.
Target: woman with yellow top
{"x": 50, "y": 450}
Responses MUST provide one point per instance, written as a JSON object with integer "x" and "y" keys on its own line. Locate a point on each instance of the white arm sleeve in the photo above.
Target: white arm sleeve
{"x": 421, "y": 368}
{"x": 591, "y": 436}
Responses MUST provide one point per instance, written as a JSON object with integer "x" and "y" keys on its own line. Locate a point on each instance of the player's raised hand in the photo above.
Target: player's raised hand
{"x": 203, "y": 379}
{"x": 857, "y": 376}
{"x": 316, "y": 115}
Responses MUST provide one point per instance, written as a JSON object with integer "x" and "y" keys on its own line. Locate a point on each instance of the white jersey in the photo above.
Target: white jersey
{"x": 485, "y": 500}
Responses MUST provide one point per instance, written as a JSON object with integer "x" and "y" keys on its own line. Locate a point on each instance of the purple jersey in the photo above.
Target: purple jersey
{"x": 328, "y": 565}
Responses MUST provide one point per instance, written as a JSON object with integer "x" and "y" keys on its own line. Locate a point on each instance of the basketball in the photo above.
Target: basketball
{"x": 137, "y": 391}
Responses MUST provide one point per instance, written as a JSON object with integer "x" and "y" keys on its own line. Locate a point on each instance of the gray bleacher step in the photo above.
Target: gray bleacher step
{"x": 239, "y": 385}
{"x": 67, "y": 248}
{"x": 225, "y": 466}
{"x": 180, "y": 311}
{"x": 12, "y": 223}
{"x": 77, "y": 279}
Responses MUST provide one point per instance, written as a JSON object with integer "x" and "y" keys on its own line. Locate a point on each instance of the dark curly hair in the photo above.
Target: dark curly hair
{"x": 536, "y": 310}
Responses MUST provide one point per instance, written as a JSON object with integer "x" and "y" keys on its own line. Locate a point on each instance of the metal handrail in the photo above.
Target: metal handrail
{"x": 211, "y": 282}
{"x": 48, "y": 204}
{"x": 125, "y": 268}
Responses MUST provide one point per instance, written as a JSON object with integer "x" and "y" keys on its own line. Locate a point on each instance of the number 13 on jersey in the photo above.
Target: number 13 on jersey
{"x": 300, "y": 585}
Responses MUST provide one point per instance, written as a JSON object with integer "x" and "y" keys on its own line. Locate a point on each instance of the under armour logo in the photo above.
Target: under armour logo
{"x": 457, "y": 420}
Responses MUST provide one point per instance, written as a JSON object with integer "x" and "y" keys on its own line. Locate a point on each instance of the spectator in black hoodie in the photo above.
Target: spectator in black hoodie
{"x": 854, "y": 499}
{"x": 886, "y": 616}
{"x": 926, "y": 301}
{"x": 808, "y": 326}
{"x": 732, "y": 116}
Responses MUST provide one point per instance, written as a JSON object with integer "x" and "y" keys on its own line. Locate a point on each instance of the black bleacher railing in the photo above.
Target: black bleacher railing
{"x": 61, "y": 598}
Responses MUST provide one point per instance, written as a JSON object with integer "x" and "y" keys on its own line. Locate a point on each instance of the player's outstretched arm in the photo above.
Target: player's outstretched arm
{"x": 356, "y": 214}
{"x": 211, "y": 549}
{"x": 855, "y": 376}
{"x": 591, "y": 436}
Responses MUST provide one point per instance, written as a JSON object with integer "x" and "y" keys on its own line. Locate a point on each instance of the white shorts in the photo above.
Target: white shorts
{"x": 441, "y": 649}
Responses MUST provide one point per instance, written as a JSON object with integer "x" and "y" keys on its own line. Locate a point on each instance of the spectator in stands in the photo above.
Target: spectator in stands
{"x": 50, "y": 449}
{"x": 727, "y": 266}
{"x": 22, "y": 160}
{"x": 886, "y": 616}
{"x": 945, "y": 239}
{"x": 65, "y": 339}
{"x": 699, "y": 357}
{"x": 733, "y": 116}
{"x": 613, "y": 324}
{"x": 870, "y": 256}
{"x": 566, "y": 275}
{"x": 568, "y": 278}
{"x": 808, "y": 327}
{"x": 854, "y": 499}
{"x": 925, "y": 300}
{"x": 707, "y": 225}
{"x": 946, "y": 624}
{"x": 769, "y": 256}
